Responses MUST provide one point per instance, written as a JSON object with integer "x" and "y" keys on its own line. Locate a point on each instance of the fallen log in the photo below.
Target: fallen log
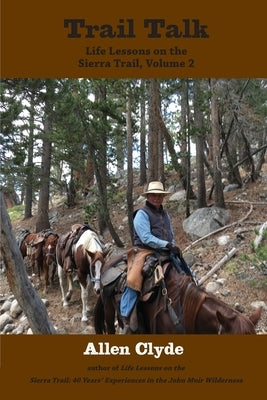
{"x": 259, "y": 237}
{"x": 218, "y": 265}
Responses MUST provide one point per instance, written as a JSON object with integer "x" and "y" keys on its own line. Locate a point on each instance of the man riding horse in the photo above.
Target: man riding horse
{"x": 153, "y": 233}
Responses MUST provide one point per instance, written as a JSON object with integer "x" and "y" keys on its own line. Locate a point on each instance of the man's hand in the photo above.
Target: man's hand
{"x": 174, "y": 250}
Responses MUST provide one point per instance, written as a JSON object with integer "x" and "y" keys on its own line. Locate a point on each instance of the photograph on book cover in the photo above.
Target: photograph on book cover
{"x": 106, "y": 112}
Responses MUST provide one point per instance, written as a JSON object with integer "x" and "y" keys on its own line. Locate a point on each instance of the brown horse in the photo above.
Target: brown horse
{"x": 49, "y": 258}
{"x": 41, "y": 249}
{"x": 80, "y": 254}
{"x": 174, "y": 305}
{"x": 28, "y": 250}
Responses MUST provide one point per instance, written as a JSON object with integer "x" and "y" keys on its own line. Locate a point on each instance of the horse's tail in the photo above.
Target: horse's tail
{"x": 99, "y": 317}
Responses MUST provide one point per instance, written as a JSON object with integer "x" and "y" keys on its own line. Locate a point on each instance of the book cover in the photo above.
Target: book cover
{"x": 133, "y": 40}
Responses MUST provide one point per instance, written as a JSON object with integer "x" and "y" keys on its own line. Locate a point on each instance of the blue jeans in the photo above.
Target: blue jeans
{"x": 128, "y": 301}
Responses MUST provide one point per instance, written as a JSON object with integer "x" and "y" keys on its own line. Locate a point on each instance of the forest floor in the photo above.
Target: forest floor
{"x": 245, "y": 274}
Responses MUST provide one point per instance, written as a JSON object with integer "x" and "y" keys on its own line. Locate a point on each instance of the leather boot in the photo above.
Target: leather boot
{"x": 126, "y": 330}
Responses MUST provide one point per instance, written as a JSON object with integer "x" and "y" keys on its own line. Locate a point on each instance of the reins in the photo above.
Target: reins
{"x": 176, "y": 317}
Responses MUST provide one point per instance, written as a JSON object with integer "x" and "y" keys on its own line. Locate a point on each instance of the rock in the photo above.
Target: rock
{"x": 222, "y": 240}
{"x": 18, "y": 330}
{"x": 225, "y": 292}
{"x": 204, "y": 221}
{"x": 212, "y": 287}
{"x": 15, "y": 309}
{"x": 4, "y": 320}
{"x": 177, "y": 196}
{"x": 6, "y": 306}
{"x": 256, "y": 304}
{"x": 239, "y": 308}
{"x": 221, "y": 281}
{"x": 8, "y": 328}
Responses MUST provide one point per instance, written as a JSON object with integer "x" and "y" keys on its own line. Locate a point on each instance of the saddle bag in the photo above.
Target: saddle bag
{"x": 110, "y": 277}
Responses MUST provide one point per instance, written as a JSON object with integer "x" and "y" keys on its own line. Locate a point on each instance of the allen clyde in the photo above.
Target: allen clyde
{"x": 141, "y": 349}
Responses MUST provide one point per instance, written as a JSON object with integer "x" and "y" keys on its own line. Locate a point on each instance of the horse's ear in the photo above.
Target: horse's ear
{"x": 255, "y": 316}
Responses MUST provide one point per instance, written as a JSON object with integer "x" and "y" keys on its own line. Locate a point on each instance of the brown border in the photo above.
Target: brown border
{"x": 209, "y": 366}
{"x": 35, "y": 43}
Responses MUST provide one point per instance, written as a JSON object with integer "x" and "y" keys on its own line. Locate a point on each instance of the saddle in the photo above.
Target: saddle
{"x": 113, "y": 279}
{"x": 66, "y": 242}
{"x": 23, "y": 234}
{"x": 41, "y": 236}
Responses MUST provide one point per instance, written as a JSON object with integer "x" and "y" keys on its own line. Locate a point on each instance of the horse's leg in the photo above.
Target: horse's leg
{"x": 109, "y": 316}
{"x": 60, "y": 278}
{"x": 53, "y": 272}
{"x": 84, "y": 296}
{"x": 65, "y": 299}
{"x": 38, "y": 255}
{"x": 46, "y": 276}
{"x": 32, "y": 262}
{"x": 98, "y": 266}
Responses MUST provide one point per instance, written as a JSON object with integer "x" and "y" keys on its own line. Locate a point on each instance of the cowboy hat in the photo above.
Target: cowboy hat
{"x": 155, "y": 187}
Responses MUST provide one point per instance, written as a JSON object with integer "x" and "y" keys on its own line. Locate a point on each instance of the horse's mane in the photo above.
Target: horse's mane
{"x": 192, "y": 298}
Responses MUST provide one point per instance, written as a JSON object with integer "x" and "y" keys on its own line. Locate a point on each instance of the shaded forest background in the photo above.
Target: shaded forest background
{"x": 70, "y": 136}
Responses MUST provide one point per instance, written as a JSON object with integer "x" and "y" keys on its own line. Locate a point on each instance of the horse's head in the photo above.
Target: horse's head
{"x": 49, "y": 249}
{"x": 204, "y": 313}
{"x": 97, "y": 260}
{"x": 238, "y": 323}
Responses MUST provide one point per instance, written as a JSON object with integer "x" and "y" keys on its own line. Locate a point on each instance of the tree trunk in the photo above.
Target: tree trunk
{"x": 43, "y": 204}
{"x": 183, "y": 146}
{"x": 201, "y": 195}
{"x": 155, "y": 154}
{"x": 262, "y": 154}
{"x": 184, "y": 143}
{"x": 217, "y": 167}
{"x": 98, "y": 152}
{"x": 129, "y": 194}
{"x": 18, "y": 280}
{"x": 29, "y": 172}
{"x": 142, "y": 135}
{"x": 71, "y": 191}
